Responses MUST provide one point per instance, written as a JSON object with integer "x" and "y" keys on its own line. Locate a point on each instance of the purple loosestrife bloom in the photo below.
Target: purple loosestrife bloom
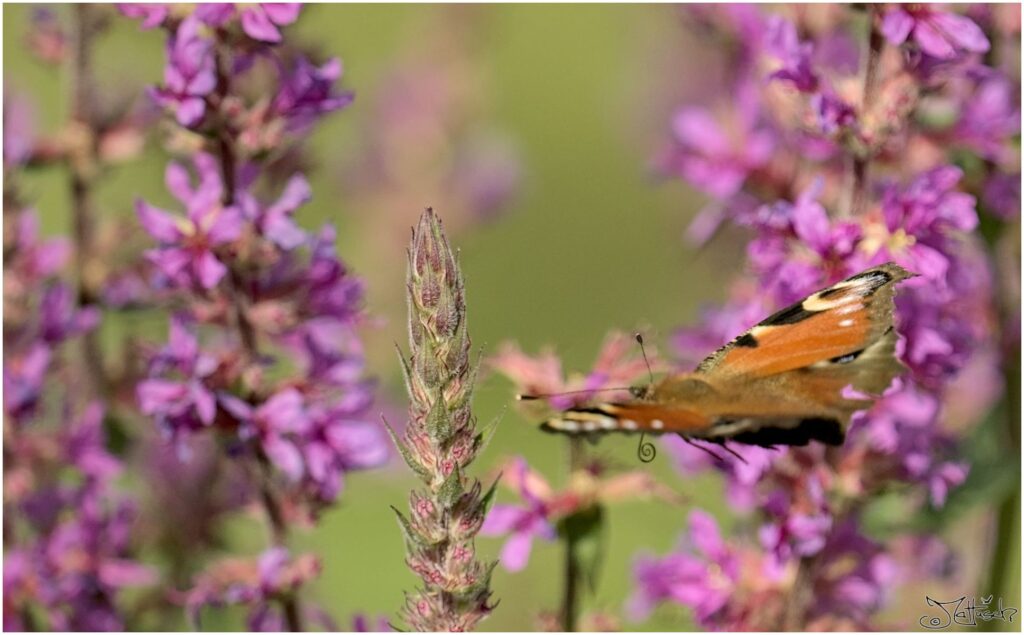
{"x": 307, "y": 93}
{"x": 33, "y": 259}
{"x": 714, "y": 159}
{"x": 186, "y": 403}
{"x": 793, "y": 54}
{"x": 940, "y": 34}
{"x": 524, "y": 523}
{"x": 920, "y": 218}
{"x": 186, "y": 253}
{"x": 260, "y": 21}
{"x": 256, "y": 584}
{"x": 19, "y": 129}
{"x": 701, "y": 575}
{"x": 989, "y": 117}
{"x": 190, "y": 75}
{"x": 24, "y": 376}
{"x": 59, "y": 316}
{"x": 274, "y": 424}
{"x": 274, "y": 222}
{"x": 151, "y": 15}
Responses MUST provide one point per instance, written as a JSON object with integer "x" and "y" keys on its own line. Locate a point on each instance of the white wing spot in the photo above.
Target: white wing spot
{"x": 629, "y": 424}
{"x": 847, "y": 322}
{"x": 657, "y": 424}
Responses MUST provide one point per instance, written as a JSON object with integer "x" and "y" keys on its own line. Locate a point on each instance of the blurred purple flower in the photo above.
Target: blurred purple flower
{"x": 989, "y": 118}
{"x": 701, "y": 575}
{"x": 1001, "y": 195}
{"x": 307, "y": 92}
{"x": 151, "y": 15}
{"x": 183, "y": 404}
{"x": 921, "y": 216}
{"x": 190, "y": 75}
{"x": 262, "y": 21}
{"x": 523, "y": 524}
{"x": 19, "y": 129}
{"x": 783, "y": 42}
{"x": 940, "y": 34}
{"x": 274, "y": 424}
{"x": 713, "y": 159}
{"x": 186, "y": 253}
{"x": 275, "y": 222}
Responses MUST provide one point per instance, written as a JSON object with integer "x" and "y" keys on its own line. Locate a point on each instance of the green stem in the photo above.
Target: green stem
{"x": 570, "y": 595}
{"x": 82, "y": 166}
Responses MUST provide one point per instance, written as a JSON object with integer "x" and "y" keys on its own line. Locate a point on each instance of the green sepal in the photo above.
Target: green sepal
{"x": 488, "y": 498}
{"x": 439, "y": 422}
{"x": 413, "y": 464}
{"x": 412, "y": 538}
{"x": 482, "y": 584}
{"x": 451, "y": 490}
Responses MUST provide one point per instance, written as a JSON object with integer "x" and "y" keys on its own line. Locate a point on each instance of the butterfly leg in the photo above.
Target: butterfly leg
{"x": 722, "y": 443}
{"x": 690, "y": 441}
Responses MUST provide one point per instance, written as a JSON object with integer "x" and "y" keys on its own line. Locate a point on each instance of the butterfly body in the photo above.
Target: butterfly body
{"x": 783, "y": 382}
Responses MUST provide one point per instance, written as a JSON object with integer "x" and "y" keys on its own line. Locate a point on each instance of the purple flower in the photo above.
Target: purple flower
{"x": 186, "y": 253}
{"x": 938, "y": 33}
{"x": 711, "y": 158}
{"x": 1001, "y": 195}
{"x": 275, "y": 221}
{"x": 190, "y": 75}
{"x": 260, "y": 584}
{"x": 152, "y": 15}
{"x": 36, "y": 259}
{"x": 920, "y": 217}
{"x": 19, "y": 129}
{"x": 183, "y": 403}
{"x": 701, "y": 575}
{"x": 262, "y": 21}
{"x": 989, "y": 118}
{"x": 60, "y": 318}
{"x": 23, "y": 380}
{"x": 307, "y": 92}
{"x": 783, "y": 42}
{"x": 522, "y": 523}
{"x": 85, "y": 445}
{"x": 274, "y": 424}
{"x": 331, "y": 291}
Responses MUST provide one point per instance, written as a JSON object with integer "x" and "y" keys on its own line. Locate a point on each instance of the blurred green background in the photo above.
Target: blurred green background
{"x": 590, "y": 244}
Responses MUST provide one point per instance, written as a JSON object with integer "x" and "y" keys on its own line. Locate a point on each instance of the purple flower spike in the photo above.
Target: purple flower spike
{"x": 938, "y": 33}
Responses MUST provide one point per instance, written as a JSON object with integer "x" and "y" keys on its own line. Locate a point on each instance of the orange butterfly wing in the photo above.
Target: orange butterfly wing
{"x": 781, "y": 381}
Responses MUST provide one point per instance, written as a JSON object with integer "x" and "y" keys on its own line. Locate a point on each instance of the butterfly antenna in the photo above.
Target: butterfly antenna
{"x": 643, "y": 351}
{"x": 701, "y": 447}
{"x": 536, "y": 396}
{"x": 645, "y": 450}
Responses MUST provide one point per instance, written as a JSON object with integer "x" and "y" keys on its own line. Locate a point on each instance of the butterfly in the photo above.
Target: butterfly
{"x": 780, "y": 383}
